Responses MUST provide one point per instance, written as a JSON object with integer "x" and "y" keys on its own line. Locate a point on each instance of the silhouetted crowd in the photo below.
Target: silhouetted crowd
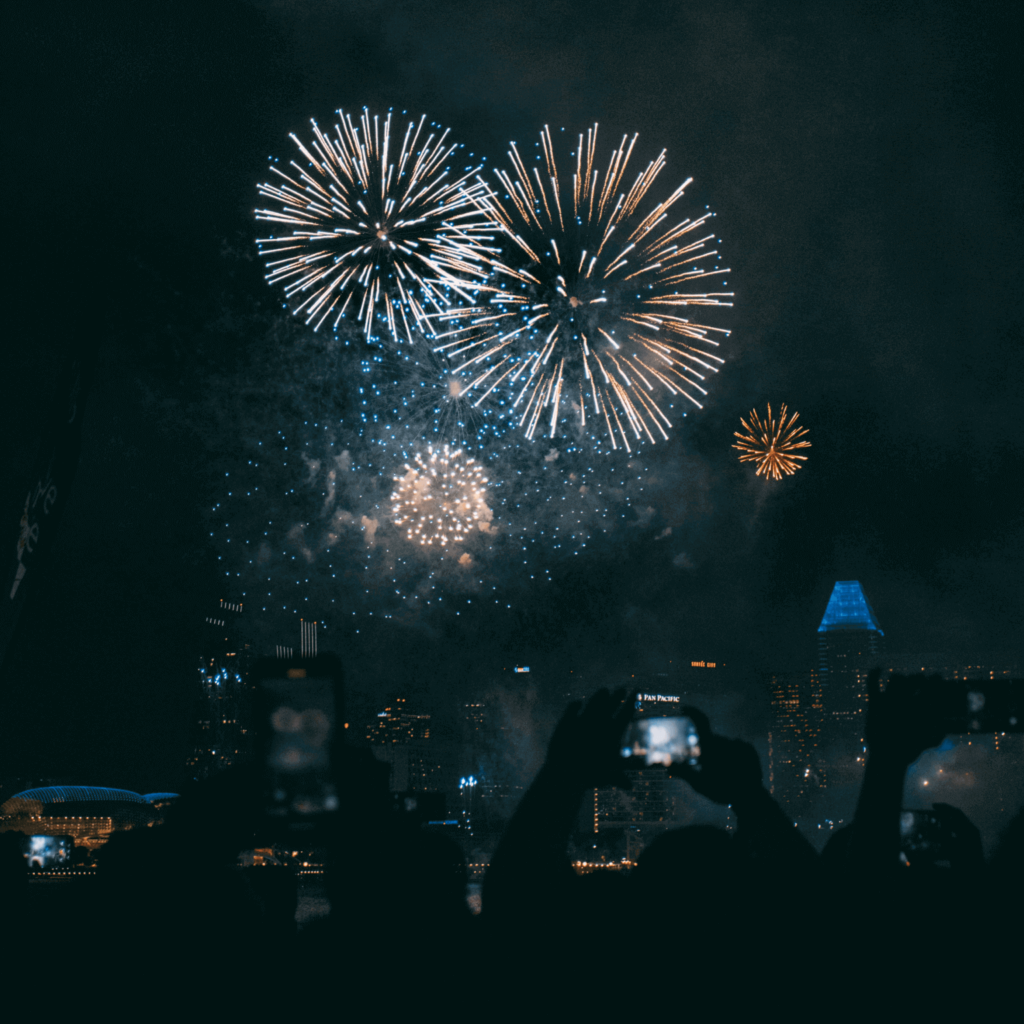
{"x": 708, "y": 920}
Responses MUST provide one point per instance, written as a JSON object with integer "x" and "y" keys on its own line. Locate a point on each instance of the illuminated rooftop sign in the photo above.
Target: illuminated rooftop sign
{"x": 658, "y": 698}
{"x": 521, "y": 668}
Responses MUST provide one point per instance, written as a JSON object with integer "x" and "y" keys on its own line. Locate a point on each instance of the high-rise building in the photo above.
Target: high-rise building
{"x": 402, "y": 739}
{"x": 222, "y": 733}
{"x": 474, "y": 719}
{"x": 817, "y": 715}
{"x": 489, "y": 750}
{"x": 396, "y": 724}
{"x": 796, "y": 759}
{"x": 849, "y": 636}
{"x": 650, "y": 807}
{"x": 850, "y": 645}
{"x": 307, "y": 638}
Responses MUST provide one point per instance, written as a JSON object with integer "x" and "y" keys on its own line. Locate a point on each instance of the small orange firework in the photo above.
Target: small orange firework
{"x": 771, "y": 443}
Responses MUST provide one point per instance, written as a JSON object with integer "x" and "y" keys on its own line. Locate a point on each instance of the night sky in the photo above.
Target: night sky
{"x": 863, "y": 161}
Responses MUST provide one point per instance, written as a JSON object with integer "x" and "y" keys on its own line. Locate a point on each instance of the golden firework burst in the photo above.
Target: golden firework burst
{"x": 771, "y": 443}
{"x": 442, "y": 498}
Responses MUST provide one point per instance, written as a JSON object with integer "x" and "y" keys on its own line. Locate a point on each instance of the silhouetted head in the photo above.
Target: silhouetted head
{"x": 695, "y": 851}
{"x": 836, "y": 854}
{"x": 13, "y": 865}
{"x": 1008, "y": 859}
{"x": 689, "y": 878}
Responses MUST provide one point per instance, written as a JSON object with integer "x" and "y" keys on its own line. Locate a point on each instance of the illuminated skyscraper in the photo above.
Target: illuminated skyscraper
{"x": 650, "y": 807}
{"x": 222, "y": 731}
{"x": 307, "y": 637}
{"x": 474, "y": 719}
{"x": 850, "y": 645}
{"x": 849, "y": 635}
{"x": 486, "y": 752}
{"x": 396, "y": 724}
{"x": 796, "y": 760}
{"x": 402, "y": 739}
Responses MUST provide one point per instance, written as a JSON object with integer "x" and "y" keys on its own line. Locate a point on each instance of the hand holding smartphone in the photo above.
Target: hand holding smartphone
{"x": 300, "y": 703}
{"x": 663, "y": 741}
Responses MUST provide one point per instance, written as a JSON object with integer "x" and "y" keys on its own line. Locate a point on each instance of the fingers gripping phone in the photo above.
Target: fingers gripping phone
{"x": 299, "y": 707}
{"x": 663, "y": 741}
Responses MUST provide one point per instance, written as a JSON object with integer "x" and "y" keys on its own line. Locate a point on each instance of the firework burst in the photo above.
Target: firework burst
{"x": 377, "y": 228}
{"x": 771, "y": 443}
{"x": 441, "y": 499}
{"x": 305, "y": 518}
{"x": 585, "y": 325}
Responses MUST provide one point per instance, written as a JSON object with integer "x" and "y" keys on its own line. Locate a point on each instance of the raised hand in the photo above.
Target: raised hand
{"x": 584, "y": 748}
{"x": 966, "y": 853}
{"x": 904, "y": 719}
{"x": 729, "y": 771}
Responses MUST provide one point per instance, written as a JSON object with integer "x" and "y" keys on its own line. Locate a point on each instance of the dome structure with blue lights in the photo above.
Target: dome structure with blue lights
{"x": 123, "y": 807}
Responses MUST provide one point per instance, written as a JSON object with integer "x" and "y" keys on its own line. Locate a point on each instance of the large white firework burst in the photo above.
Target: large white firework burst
{"x": 374, "y": 227}
{"x": 588, "y": 324}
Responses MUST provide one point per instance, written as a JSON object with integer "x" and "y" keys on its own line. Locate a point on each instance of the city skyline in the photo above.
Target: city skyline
{"x": 478, "y": 753}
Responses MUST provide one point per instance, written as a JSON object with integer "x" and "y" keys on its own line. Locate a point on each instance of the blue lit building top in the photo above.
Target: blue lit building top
{"x": 848, "y": 608}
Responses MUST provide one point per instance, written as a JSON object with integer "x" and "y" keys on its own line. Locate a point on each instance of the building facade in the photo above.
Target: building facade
{"x": 797, "y": 766}
{"x": 222, "y": 723}
{"x": 850, "y": 645}
{"x": 402, "y": 738}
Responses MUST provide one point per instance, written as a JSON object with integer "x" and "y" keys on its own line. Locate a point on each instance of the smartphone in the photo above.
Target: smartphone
{"x": 47, "y": 851}
{"x": 662, "y": 741}
{"x": 299, "y": 705}
{"x": 983, "y": 705}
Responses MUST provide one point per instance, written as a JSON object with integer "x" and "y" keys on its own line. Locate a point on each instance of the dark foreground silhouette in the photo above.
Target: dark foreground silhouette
{"x": 738, "y": 917}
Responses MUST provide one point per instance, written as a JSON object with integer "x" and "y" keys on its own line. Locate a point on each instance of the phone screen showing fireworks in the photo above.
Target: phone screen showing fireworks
{"x": 299, "y": 736}
{"x": 662, "y": 741}
{"x": 43, "y": 852}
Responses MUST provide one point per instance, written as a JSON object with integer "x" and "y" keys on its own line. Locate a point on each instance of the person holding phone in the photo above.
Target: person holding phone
{"x": 592, "y": 746}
